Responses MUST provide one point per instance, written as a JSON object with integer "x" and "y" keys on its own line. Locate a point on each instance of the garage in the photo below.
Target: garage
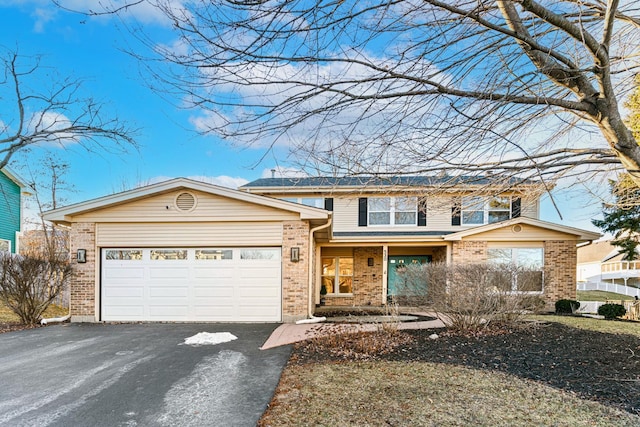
{"x": 191, "y": 284}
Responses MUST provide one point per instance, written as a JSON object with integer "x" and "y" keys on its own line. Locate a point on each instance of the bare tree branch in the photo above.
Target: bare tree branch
{"x": 55, "y": 116}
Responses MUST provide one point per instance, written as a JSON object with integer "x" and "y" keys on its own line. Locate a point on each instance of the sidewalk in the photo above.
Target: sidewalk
{"x": 290, "y": 333}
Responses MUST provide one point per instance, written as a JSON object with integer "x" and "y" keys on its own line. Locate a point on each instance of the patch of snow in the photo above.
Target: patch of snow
{"x": 208, "y": 338}
{"x": 434, "y": 336}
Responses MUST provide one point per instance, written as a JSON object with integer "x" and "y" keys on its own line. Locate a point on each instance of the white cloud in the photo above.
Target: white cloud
{"x": 221, "y": 180}
{"x": 50, "y": 129}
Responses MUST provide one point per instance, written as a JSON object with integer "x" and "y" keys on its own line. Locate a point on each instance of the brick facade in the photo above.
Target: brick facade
{"x": 559, "y": 266}
{"x": 83, "y": 281}
{"x": 560, "y": 259}
{"x": 367, "y": 280}
{"x": 295, "y": 275}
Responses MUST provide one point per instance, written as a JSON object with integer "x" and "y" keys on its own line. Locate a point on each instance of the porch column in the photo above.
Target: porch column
{"x": 385, "y": 274}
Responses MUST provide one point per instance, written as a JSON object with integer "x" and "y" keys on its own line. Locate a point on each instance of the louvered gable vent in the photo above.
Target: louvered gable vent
{"x": 185, "y": 202}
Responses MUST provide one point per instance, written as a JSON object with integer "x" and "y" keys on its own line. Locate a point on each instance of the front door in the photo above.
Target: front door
{"x": 396, "y": 264}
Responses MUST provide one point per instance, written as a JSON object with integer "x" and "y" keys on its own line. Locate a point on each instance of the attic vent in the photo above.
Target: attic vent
{"x": 516, "y": 228}
{"x": 185, "y": 202}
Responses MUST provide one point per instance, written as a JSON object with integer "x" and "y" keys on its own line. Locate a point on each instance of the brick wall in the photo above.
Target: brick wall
{"x": 83, "y": 285}
{"x": 469, "y": 251}
{"x": 295, "y": 275}
{"x": 367, "y": 280}
{"x": 560, "y": 271}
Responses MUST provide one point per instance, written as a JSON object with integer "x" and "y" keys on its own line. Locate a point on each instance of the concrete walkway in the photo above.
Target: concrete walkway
{"x": 290, "y": 333}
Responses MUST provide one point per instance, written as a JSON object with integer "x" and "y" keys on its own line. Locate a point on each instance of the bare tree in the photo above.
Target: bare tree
{"x": 520, "y": 88}
{"x": 40, "y": 108}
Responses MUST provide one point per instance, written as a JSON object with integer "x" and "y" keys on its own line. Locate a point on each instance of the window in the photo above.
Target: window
{"x": 527, "y": 266}
{"x": 314, "y": 202}
{"x": 124, "y": 254}
{"x": 478, "y": 210}
{"x": 168, "y": 254}
{"x": 5, "y": 245}
{"x": 214, "y": 254}
{"x": 337, "y": 275}
{"x": 392, "y": 210}
{"x": 260, "y": 253}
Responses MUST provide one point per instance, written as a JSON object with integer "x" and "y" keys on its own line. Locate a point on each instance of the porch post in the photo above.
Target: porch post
{"x": 385, "y": 275}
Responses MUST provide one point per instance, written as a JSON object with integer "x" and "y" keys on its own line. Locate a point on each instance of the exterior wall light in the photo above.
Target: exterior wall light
{"x": 81, "y": 256}
{"x": 295, "y": 254}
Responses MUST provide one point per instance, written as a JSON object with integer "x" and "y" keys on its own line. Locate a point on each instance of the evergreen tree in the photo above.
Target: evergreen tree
{"x": 622, "y": 218}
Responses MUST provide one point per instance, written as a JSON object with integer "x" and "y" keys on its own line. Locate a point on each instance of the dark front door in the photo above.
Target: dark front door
{"x": 395, "y": 266}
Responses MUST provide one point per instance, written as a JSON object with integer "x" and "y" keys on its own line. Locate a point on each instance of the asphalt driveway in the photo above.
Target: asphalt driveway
{"x": 136, "y": 375}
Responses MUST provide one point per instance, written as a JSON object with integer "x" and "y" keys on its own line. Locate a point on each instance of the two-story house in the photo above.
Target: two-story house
{"x": 183, "y": 250}
{"x": 12, "y": 190}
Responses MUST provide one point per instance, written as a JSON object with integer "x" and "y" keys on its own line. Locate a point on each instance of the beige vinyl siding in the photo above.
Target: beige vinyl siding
{"x": 162, "y": 208}
{"x": 527, "y": 233}
{"x": 345, "y": 214}
{"x": 530, "y": 208}
{"x": 189, "y": 234}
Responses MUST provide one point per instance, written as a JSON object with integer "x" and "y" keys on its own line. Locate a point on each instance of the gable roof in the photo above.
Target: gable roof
{"x": 351, "y": 182}
{"x": 582, "y": 235}
{"x": 65, "y": 214}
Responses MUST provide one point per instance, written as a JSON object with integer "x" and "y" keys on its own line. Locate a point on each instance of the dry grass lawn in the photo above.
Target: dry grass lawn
{"x": 426, "y": 394}
{"x": 8, "y": 316}
{"x": 388, "y": 392}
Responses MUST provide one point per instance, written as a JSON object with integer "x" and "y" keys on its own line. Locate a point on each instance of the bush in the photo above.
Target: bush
{"x": 472, "y": 297}
{"x": 611, "y": 311}
{"x": 566, "y": 306}
{"x": 28, "y": 284}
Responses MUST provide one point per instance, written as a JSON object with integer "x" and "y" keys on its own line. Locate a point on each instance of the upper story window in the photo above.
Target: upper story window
{"x": 314, "y": 202}
{"x": 392, "y": 210}
{"x": 480, "y": 210}
{"x": 5, "y": 245}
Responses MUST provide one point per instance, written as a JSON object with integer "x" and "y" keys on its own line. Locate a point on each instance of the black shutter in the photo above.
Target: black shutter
{"x": 328, "y": 204}
{"x": 422, "y": 212}
{"x": 455, "y": 211}
{"x": 362, "y": 212}
{"x": 516, "y": 207}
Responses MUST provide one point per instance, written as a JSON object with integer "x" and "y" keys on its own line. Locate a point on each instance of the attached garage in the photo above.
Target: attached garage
{"x": 191, "y": 284}
{"x": 188, "y": 251}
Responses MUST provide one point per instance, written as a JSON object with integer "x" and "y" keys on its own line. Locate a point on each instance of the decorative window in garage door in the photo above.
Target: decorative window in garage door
{"x": 168, "y": 254}
{"x": 214, "y": 254}
{"x": 260, "y": 253}
{"x": 124, "y": 254}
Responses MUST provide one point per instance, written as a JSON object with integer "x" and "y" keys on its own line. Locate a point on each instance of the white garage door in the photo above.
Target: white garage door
{"x": 196, "y": 284}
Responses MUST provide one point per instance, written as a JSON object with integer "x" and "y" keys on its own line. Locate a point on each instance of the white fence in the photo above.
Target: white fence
{"x": 609, "y": 287}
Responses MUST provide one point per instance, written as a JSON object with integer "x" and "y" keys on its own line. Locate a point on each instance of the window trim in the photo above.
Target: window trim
{"x": 393, "y": 201}
{"x": 486, "y": 209}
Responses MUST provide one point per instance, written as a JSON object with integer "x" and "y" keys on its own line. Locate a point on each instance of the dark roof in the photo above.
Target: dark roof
{"x": 405, "y": 181}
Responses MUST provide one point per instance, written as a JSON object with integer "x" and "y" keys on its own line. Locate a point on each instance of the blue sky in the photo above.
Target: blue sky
{"x": 92, "y": 49}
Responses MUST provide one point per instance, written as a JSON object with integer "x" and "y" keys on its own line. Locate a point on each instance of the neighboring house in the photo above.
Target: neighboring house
{"x": 183, "y": 250}
{"x": 12, "y": 190}
{"x": 602, "y": 263}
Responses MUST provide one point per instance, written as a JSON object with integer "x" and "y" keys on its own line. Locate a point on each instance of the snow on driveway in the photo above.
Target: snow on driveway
{"x": 208, "y": 338}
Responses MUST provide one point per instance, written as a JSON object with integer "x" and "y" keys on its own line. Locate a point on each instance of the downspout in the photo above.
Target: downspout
{"x": 311, "y": 259}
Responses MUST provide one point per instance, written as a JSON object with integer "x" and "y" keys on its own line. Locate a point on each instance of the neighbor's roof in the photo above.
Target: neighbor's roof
{"x": 325, "y": 182}
{"x": 64, "y": 214}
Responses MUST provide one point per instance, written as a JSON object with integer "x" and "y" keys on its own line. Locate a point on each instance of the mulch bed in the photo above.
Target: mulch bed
{"x": 11, "y": 327}
{"x": 593, "y": 365}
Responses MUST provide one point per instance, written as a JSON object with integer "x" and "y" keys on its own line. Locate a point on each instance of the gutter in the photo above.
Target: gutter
{"x": 310, "y": 301}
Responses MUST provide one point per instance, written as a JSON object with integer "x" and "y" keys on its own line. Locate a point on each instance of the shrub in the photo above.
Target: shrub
{"x": 472, "y": 297}
{"x": 611, "y": 311}
{"x": 566, "y": 306}
{"x": 28, "y": 284}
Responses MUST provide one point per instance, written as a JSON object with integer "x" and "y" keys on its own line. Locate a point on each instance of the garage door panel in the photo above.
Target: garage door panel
{"x": 236, "y": 288}
{"x": 157, "y": 272}
{"x": 123, "y": 291}
{"x": 121, "y": 272}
